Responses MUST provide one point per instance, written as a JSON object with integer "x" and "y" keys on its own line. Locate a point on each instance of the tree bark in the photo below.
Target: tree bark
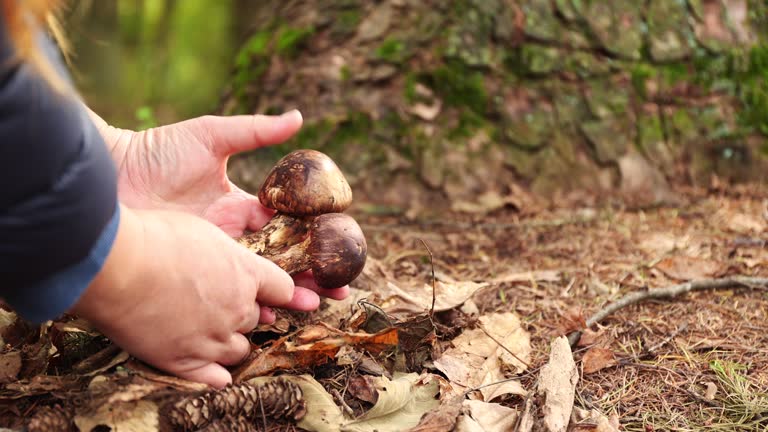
{"x": 473, "y": 97}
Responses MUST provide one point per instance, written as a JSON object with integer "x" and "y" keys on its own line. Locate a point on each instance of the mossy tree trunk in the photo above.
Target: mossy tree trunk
{"x": 471, "y": 97}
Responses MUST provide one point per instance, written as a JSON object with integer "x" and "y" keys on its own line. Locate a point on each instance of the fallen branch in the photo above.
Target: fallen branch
{"x": 670, "y": 292}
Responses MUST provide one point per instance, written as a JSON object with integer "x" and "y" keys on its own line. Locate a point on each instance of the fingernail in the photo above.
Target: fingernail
{"x": 292, "y": 113}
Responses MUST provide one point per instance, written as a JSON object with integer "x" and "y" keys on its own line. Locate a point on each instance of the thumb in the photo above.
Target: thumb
{"x": 234, "y": 134}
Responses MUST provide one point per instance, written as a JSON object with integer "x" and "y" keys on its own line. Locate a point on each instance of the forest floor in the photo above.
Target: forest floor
{"x": 506, "y": 285}
{"x": 698, "y": 361}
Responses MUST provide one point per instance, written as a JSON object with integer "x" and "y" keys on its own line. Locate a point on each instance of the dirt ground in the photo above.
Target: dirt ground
{"x": 699, "y": 361}
{"x": 667, "y": 352}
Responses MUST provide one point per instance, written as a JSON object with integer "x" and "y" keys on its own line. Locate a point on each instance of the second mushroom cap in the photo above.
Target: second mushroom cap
{"x": 306, "y": 182}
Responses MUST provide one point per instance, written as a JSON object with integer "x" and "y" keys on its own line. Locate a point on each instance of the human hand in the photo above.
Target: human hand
{"x": 178, "y": 293}
{"x": 182, "y": 167}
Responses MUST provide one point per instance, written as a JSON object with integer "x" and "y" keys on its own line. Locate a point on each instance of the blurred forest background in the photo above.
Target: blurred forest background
{"x": 463, "y": 102}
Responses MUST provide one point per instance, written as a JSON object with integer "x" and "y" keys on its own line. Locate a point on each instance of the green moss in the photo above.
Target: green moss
{"x": 347, "y": 21}
{"x": 391, "y": 50}
{"x": 541, "y": 60}
{"x": 354, "y": 128}
{"x": 410, "y": 87}
{"x": 256, "y": 45}
{"x": 346, "y": 73}
{"x": 469, "y": 123}
{"x": 753, "y": 90}
{"x": 682, "y": 127}
{"x": 312, "y": 135}
{"x": 673, "y": 73}
{"x": 640, "y": 74}
{"x": 651, "y": 135}
{"x": 251, "y": 62}
{"x": 459, "y": 86}
{"x": 289, "y": 40}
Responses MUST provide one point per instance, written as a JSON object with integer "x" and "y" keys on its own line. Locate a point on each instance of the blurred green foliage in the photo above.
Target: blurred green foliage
{"x": 144, "y": 62}
{"x": 289, "y": 40}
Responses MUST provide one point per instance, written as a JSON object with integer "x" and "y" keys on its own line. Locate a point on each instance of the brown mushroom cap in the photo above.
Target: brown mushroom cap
{"x": 337, "y": 249}
{"x": 306, "y": 182}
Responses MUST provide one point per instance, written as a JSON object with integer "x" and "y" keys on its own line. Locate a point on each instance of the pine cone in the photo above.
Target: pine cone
{"x": 276, "y": 400}
{"x": 51, "y": 419}
{"x": 231, "y": 424}
{"x": 192, "y": 413}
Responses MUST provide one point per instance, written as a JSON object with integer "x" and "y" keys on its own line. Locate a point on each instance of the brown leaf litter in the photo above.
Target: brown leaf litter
{"x": 509, "y": 283}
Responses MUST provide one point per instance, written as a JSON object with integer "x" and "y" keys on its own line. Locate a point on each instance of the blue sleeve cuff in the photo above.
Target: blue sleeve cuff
{"x": 55, "y": 295}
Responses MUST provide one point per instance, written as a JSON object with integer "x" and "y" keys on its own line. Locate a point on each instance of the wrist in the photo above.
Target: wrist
{"x": 120, "y": 270}
{"x": 116, "y": 139}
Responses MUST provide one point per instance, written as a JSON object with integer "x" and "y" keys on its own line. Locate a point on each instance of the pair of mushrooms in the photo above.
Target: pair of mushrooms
{"x": 309, "y": 230}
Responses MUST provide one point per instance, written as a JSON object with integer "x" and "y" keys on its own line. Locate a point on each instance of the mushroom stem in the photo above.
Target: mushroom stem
{"x": 283, "y": 240}
{"x": 332, "y": 245}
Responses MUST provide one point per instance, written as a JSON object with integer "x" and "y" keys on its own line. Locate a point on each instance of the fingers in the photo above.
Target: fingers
{"x": 251, "y": 321}
{"x": 212, "y": 374}
{"x": 234, "y": 134}
{"x": 306, "y": 280}
{"x": 267, "y": 315}
{"x": 259, "y": 215}
{"x": 235, "y": 351}
{"x": 304, "y": 299}
{"x": 275, "y": 285}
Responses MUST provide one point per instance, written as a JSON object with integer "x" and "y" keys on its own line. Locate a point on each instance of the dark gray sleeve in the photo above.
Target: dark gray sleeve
{"x": 58, "y": 187}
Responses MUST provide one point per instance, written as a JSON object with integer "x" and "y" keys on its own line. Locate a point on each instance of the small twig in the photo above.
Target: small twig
{"x": 630, "y": 362}
{"x": 670, "y": 292}
{"x": 491, "y": 384}
{"x": 434, "y": 289}
{"x": 487, "y": 333}
{"x": 343, "y": 403}
{"x": 697, "y": 397}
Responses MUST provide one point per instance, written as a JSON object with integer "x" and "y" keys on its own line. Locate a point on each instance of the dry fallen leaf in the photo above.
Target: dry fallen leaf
{"x": 596, "y": 359}
{"x": 401, "y": 404}
{"x": 658, "y": 243}
{"x": 557, "y": 385}
{"x": 486, "y": 202}
{"x": 744, "y": 223}
{"x": 134, "y": 416}
{"x": 363, "y": 388}
{"x": 486, "y": 417}
{"x": 687, "y": 268}
{"x": 322, "y": 413}
{"x": 317, "y": 345}
{"x": 571, "y": 320}
{"x": 10, "y": 366}
{"x": 7, "y": 319}
{"x": 442, "y": 418}
{"x": 476, "y": 358}
{"x": 338, "y": 310}
{"x": 528, "y": 276}
{"x": 39, "y": 384}
{"x": 711, "y": 391}
{"x": 426, "y": 112}
{"x": 593, "y": 421}
{"x": 419, "y": 299}
{"x": 590, "y": 337}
